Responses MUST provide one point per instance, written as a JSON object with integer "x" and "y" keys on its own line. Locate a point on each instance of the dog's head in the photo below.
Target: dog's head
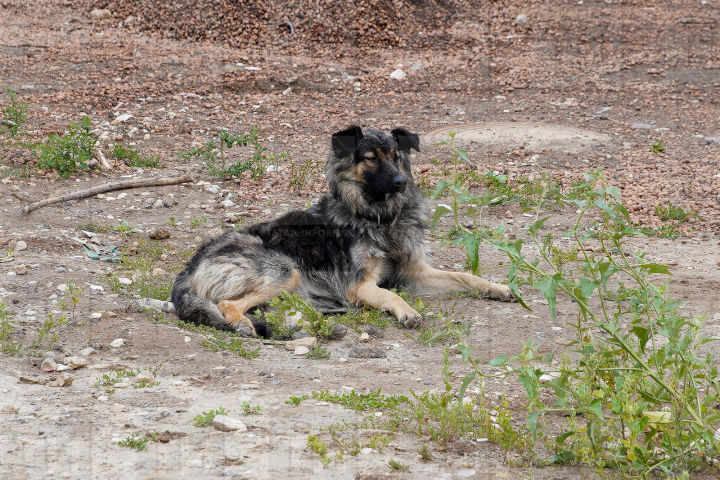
{"x": 369, "y": 169}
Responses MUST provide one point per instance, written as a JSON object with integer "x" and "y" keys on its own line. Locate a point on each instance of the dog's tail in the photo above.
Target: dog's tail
{"x": 193, "y": 308}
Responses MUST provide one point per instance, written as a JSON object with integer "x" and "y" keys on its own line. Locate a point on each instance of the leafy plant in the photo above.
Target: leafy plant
{"x": 132, "y": 157}
{"x": 7, "y": 328}
{"x": 293, "y": 400}
{"x": 70, "y": 152}
{"x": 361, "y": 401}
{"x": 71, "y": 298}
{"x": 137, "y": 441}
{"x": 251, "y": 410}
{"x": 658, "y": 146}
{"x": 319, "y": 447}
{"x": 395, "y": 465}
{"x": 287, "y": 304}
{"x": 14, "y": 114}
{"x": 218, "y": 341}
{"x": 318, "y": 352}
{"x": 667, "y": 212}
{"x": 206, "y": 418}
{"x": 302, "y": 173}
{"x": 641, "y": 397}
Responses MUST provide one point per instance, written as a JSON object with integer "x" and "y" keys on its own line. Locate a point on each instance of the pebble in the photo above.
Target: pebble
{"x": 641, "y": 126}
{"x": 117, "y": 407}
{"x": 712, "y": 140}
{"x": 521, "y": 19}
{"x": 100, "y": 14}
{"x": 96, "y": 315}
{"x": 124, "y": 281}
{"x": 9, "y": 409}
{"x": 49, "y": 365}
{"x": 338, "y": 332}
{"x": 76, "y": 362}
{"x": 367, "y": 351}
{"x": 225, "y": 423}
{"x": 212, "y": 189}
{"x": 144, "y": 376}
{"x": 375, "y": 332}
{"x": 365, "y": 337}
{"x": 398, "y": 74}
{"x": 159, "y": 233}
{"x": 117, "y": 343}
{"x": 20, "y": 246}
{"x": 62, "y": 367}
{"x": 187, "y": 339}
{"x": 307, "y": 342}
{"x": 301, "y": 350}
{"x": 121, "y": 118}
{"x": 64, "y": 380}
{"x": 21, "y": 269}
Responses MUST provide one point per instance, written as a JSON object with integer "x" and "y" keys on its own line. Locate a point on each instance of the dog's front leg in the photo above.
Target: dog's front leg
{"x": 431, "y": 281}
{"x": 368, "y": 293}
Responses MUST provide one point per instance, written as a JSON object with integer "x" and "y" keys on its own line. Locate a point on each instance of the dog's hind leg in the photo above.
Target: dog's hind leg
{"x": 234, "y": 309}
{"x": 426, "y": 280}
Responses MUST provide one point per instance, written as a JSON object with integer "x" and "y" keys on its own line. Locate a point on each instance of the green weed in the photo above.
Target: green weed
{"x": 658, "y": 146}
{"x": 251, "y": 410}
{"x": 7, "y": 328}
{"x": 137, "y": 441}
{"x": 361, "y": 401}
{"x": 206, "y": 418}
{"x": 318, "y": 447}
{"x": 70, "y": 152}
{"x": 395, "y": 465}
{"x": 132, "y": 157}
{"x": 14, "y": 114}
{"x": 293, "y": 400}
{"x": 318, "y": 352}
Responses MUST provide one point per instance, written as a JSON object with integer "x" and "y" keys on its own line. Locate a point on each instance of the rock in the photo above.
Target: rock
{"x": 641, "y": 126}
{"x": 100, "y": 14}
{"x": 20, "y": 246}
{"x": 213, "y": 189}
{"x": 117, "y": 343}
{"x": 338, "y": 332}
{"x": 122, "y": 118}
{"x": 398, "y": 74}
{"x": 508, "y": 214}
{"x": 228, "y": 203}
{"x": 375, "y": 332}
{"x": 9, "y": 409}
{"x": 144, "y": 376}
{"x": 49, "y": 365}
{"x": 125, "y": 280}
{"x": 225, "y": 423}
{"x": 367, "y": 351}
{"x": 521, "y": 19}
{"x": 64, "y": 380}
{"x": 301, "y": 350}
{"x": 158, "y": 203}
{"x": 117, "y": 408}
{"x": 76, "y": 362}
{"x": 157, "y": 271}
{"x": 712, "y": 140}
{"x": 87, "y": 351}
{"x": 33, "y": 380}
{"x": 21, "y": 269}
{"x": 365, "y": 337}
{"x": 159, "y": 233}
{"x": 308, "y": 342}
{"x": 299, "y": 334}
{"x": 61, "y": 367}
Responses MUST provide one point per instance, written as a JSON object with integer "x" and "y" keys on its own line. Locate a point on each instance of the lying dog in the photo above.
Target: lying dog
{"x": 361, "y": 239}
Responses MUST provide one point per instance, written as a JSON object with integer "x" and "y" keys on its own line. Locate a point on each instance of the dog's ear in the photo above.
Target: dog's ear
{"x": 344, "y": 142}
{"x": 406, "y": 140}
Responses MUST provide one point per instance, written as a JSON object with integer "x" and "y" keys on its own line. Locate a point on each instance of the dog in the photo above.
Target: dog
{"x": 357, "y": 242}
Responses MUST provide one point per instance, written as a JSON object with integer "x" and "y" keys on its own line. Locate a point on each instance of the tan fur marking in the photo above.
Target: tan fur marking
{"x": 367, "y": 292}
{"x": 360, "y": 168}
{"x": 234, "y": 309}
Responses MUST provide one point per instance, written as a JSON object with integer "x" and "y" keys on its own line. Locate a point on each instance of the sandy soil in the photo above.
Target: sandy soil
{"x": 573, "y": 65}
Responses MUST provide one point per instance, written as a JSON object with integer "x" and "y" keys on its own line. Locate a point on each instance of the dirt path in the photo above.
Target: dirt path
{"x": 159, "y": 96}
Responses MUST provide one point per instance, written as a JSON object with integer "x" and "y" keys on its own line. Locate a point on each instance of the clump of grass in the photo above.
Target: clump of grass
{"x": 70, "y": 152}
{"x": 94, "y": 227}
{"x": 218, "y": 342}
{"x": 251, "y": 409}
{"x": 667, "y": 212}
{"x": 7, "y": 328}
{"x": 318, "y": 352}
{"x": 361, "y": 401}
{"x": 133, "y": 158}
{"x": 658, "y": 146}
{"x": 108, "y": 380}
{"x": 136, "y": 441}
{"x": 302, "y": 173}
{"x": 14, "y": 114}
{"x": 296, "y": 400}
{"x": 319, "y": 447}
{"x": 206, "y": 418}
{"x": 395, "y": 465}
{"x": 314, "y": 322}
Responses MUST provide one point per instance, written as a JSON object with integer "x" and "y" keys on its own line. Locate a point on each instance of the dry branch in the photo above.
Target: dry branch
{"x": 108, "y": 187}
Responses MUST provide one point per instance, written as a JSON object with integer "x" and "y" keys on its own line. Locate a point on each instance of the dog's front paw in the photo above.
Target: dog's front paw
{"x": 409, "y": 317}
{"x": 501, "y": 292}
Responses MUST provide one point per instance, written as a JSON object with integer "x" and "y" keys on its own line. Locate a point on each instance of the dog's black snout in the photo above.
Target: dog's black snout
{"x": 400, "y": 181}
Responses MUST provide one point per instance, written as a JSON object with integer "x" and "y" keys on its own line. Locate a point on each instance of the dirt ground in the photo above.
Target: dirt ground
{"x": 579, "y": 86}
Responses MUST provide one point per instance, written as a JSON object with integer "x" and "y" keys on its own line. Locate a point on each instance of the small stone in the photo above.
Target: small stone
{"x": 398, "y": 74}
{"x": 21, "y": 269}
{"x": 157, "y": 271}
{"x": 9, "y": 410}
{"x": 338, "y": 332}
{"x": 117, "y": 343}
{"x": 367, "y": 351}
{"x": 100, "y": 14}
{"x": 365, "y": 337}
{"x": 117, "y": 408}
{"x": 308, "y": 342}
{"x": 62, "y": 367}
{"x": 375, "y": 332}
{"x": 187, "y": 339}
{"x": 213, "y": 189}
{"x": 228, "y": 203}
{"x": 49, "y": 365}
{"x": 287, "y": 91}
{"x": 641, "y": 126}
{"x": 508, "y": 214}
{"x": 64, "y": 380}
{"x": 301, "y": 350}
{"x": 103, "y": 398}
{"x": 158, "y": 203}
{"x": 124, "y": 280}
{"x": 96, "y": 315}
{"x": 712, "y": 140}
{"x": 121, "y": 118}
{"x": 521, "y": 19}
{"x": 225, "y": 423}
{"x": 76, "y": 362}
{"x": 20, "y": 246}
{"x": 159, "y": 233}
{"x": 144, "y": 377}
